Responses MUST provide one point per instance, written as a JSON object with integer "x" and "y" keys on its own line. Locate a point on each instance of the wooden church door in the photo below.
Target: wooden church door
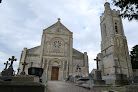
{"x": 54, "y": 73}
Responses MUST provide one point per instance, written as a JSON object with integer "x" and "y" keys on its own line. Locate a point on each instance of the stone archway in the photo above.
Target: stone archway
{"x": 54, "y": 69}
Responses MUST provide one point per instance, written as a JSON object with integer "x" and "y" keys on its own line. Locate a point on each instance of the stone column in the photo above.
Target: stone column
{"x": 22, "y": 59}
{"x": 63, "y": 70}
{"x": 85, "y": 59}
{"x": 86, "y": 62}
{"x": 43, "y": 63}
{"x": 67, "y": 69}
{"x": 47, "y": 65}
{"x": 42, "y": 49}
{"x": 70, "y": 56}
{"x": 44, "y": 75}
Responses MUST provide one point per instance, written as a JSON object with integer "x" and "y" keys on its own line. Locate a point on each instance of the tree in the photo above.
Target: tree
{"x": 134, "y": 57}
{"x": 129, "y": 8}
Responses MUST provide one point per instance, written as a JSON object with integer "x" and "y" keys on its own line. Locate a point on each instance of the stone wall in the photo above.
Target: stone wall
{"x": 32, "y": 55}
{"x": 79, "y": 59}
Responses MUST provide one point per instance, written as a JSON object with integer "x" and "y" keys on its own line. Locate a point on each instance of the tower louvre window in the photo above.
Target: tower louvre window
{"x": 116, "y": 29}
{"x": 105, "y": 30}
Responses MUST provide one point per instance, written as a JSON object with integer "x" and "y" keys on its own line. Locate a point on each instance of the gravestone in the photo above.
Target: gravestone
{"x": 23, "y": 72}
{"x": 116, "y": 79}
{"x": 12, "y": 59}
{"x": 18, "y": 71}
{"x": 89, "y": 82}
{"x": 97, "y": 75}
{"x": 11, "y": 83}
{"x": 6, "y": 64}
{"x": 6, "y": 73}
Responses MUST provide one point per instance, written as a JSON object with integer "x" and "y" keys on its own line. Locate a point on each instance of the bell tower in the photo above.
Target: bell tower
{"x": 114, "y": 49}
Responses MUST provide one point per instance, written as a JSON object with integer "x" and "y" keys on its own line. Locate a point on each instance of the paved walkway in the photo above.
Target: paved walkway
{"x": 60, "y": 86}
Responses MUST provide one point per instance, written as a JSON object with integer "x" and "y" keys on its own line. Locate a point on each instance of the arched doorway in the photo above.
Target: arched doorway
{"x": 54, "y": 73}
{"x": 54, "y": 70}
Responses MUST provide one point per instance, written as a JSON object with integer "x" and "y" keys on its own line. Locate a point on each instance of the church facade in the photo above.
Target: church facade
{"x": 56, "y": 55}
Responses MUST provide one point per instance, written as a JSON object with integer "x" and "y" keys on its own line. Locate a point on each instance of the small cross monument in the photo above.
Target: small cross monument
{"x": 97, "y": 60}
{"x": 12, "y": 59}
{"x": 18, "y": 70}
{"x": 23, "y": 72}
{"x": 6, "y": 64}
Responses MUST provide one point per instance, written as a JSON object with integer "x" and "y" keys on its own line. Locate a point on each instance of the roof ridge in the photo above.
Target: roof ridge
{"x": 34, "y": 47}
{"x": 57, "y": 23}
{"x": 77, "y": 50}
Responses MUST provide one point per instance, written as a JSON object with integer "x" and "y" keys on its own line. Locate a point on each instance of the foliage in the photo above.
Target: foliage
{"x": 129, "y": 8}
{"x": 134, "y": 57}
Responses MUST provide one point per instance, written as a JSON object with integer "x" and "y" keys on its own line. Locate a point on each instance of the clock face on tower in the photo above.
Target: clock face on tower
{"x": 57, "y": 44}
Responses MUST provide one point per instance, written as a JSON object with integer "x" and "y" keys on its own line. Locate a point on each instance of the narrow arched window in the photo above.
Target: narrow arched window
{"x": 105, "y": 30}
{"x": 116, "y": 29}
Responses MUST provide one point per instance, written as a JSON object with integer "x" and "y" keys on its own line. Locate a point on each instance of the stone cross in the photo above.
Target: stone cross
{"x": 12, "y": 59}
{"x": 6, "y": 64}
{"x": 24, "y": 64}
{"x": 97, "y": 60}
{"x": 18, "y": 71}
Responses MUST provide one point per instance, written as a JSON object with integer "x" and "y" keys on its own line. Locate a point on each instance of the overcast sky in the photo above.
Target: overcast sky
{"x": 22, "y": 23}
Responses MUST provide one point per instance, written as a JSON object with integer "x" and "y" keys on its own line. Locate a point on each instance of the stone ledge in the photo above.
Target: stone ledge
{"x": 11, "y": 83}
{"x": 25, "y": 78}
{"x": 8, "y": 86}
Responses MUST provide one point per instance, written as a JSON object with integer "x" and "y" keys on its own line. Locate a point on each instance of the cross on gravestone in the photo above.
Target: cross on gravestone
{"x": 24, "y": 64}
{"x": 6, "y": 64}
{"x": 12, "y": 59}
{"x": 97, "y": 60}
{"x": 18, "y": 71}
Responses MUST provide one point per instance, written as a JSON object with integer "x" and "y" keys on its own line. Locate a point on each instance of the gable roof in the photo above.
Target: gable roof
{"x": 57, "y": 25}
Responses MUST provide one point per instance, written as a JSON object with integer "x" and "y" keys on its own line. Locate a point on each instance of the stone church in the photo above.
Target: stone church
{"x": 56, "y": 55}
{"x": 114, "y": 56}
